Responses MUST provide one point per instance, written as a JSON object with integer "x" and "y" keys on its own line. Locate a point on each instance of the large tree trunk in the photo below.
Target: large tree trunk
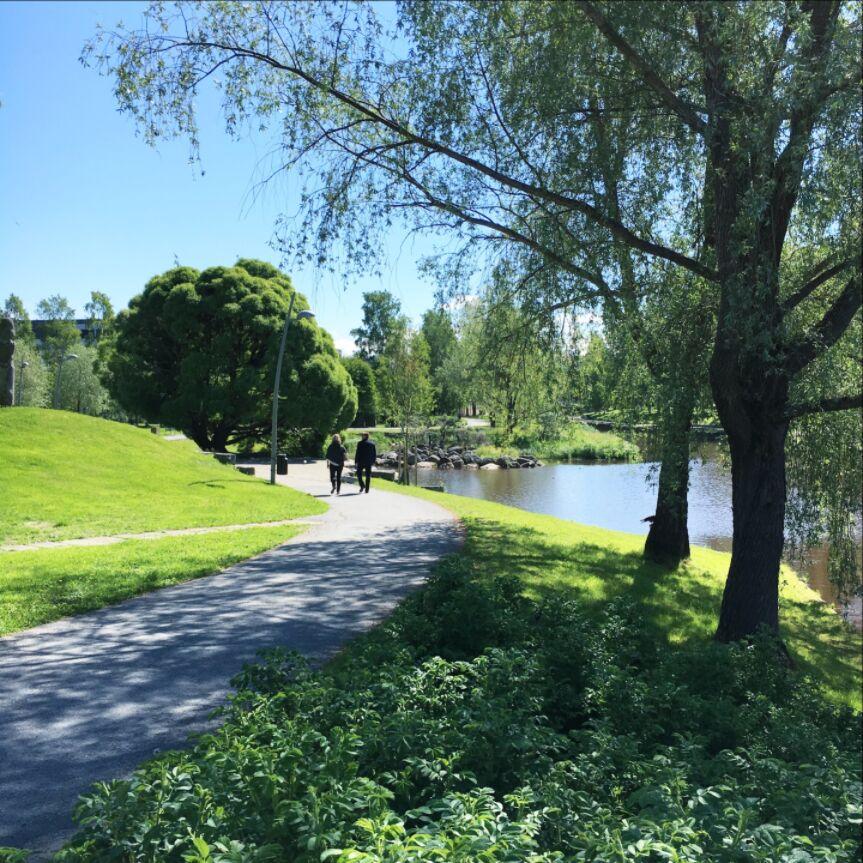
{"x": 751, "y": 597}
{"x": 668, "y": 539}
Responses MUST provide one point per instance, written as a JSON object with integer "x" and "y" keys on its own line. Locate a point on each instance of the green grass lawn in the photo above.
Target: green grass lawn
{"x": 40, "y": 586}
{"x": 558, "y": 558}
{"x": 66, "y": 475}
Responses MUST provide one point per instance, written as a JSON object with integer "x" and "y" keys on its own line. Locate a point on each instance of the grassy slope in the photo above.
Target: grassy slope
{"x": 65, "y": 475}
{"x": 40, "y": 586}
{"x": 557, "y": 557}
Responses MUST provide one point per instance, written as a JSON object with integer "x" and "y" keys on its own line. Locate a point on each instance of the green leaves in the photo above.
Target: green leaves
{"x": 476, "y": 726}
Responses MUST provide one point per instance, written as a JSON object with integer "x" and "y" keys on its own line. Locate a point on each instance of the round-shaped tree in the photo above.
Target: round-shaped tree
{"x": 197, "y": 351}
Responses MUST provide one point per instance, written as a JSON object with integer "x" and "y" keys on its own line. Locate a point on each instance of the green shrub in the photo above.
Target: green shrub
{"x": 476, "y": 726}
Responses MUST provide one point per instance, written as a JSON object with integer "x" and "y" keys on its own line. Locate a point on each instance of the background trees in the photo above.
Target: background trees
{"x": 381, "y": 312}
{"x": 196, "y": 350}
{"x": 363, "y": 377}
{"x": 405, "y": 384}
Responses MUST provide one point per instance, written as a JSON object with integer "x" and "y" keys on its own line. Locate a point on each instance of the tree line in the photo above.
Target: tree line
{"x": 64, "y": 368}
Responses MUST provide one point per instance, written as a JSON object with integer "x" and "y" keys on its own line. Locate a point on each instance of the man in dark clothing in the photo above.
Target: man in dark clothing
{"x": 365, "y": 460}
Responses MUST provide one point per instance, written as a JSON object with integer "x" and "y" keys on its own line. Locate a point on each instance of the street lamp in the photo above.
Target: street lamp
{"x": 24, "y": 365}
{"x": 304, "y": 315}
{"x": 59, "y": 375}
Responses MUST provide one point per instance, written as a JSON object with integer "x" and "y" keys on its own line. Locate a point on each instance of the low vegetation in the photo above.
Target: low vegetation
{"x": 574, "y": 442}
{"x": 40, "y": 586}
{"x": 68, "y": 475}
{"x": 544, "y": 698}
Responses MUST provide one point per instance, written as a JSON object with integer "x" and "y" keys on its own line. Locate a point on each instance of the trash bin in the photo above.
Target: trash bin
{"x": 281, "y": 464}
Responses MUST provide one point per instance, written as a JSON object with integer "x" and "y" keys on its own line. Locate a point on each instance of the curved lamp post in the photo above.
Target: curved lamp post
{"x": 59, "y": 375}
{"x": 24, "y": 365}
{"x": 304, "y": 315}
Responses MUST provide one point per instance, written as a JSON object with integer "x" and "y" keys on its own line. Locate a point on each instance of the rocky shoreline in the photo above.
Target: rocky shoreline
{"x": 455, "y": 458}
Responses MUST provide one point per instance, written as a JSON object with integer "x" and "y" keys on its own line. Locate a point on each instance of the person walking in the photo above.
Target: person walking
{"x": 336, "y": 455}
{"x": 365, "y": 459}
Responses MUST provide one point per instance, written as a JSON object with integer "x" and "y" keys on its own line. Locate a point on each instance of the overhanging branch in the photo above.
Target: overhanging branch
{"x": 375, "y": 114}
{"x": 825, "y": 405}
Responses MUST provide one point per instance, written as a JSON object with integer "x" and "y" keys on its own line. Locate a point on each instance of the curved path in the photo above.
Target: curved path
{"x": 89, "y": 697}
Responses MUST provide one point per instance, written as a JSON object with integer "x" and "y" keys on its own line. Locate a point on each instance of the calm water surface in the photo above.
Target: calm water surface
{"x": 619, "y": 496}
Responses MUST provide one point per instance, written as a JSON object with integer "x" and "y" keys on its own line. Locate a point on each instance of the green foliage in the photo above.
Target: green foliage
{"x": 440, "y": 336}
{"x": 60, "y": 335}
{"x": 363, "y": 376}
{"x": 33, "y": 382}
{"x": 381, "y": 312}
{"x": 478, "y": 725}
{"x": 594, "y": 384}
{"x": 198, "y": 351}
{"x": 100, "y": 316}
{"x": 403, "y": 379}
{"x": 67, "y": 475}
{"x": 573, "y": 441}
{"x": 14, "y": 308}
{"x": 44, "y": 585}
{"x": 80, "y": 387}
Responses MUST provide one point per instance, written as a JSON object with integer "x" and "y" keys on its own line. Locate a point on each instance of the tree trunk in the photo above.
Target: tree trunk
{"x": 751, "y": 597}
{"x": 220, "y": 440}
{"x": 668, "y": 539}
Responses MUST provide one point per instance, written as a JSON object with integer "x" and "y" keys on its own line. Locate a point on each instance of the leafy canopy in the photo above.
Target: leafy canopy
{"x": 197, "y": 351}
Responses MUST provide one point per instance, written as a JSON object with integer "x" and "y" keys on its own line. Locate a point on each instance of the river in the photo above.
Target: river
{"x": 619, "y": 496}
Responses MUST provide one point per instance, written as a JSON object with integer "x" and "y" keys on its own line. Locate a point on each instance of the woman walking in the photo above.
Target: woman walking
{"x": 336, "y": 455}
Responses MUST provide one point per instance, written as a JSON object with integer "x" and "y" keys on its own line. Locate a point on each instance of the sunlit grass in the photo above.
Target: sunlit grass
{"x": 554, "y": 557}
{"x": 40, "y": 586}
{"x": 65, "y": 475}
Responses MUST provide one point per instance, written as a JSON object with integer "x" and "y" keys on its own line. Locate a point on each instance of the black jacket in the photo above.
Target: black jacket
{"x": 336, "y": 454}
{"x": 366, "y": 454}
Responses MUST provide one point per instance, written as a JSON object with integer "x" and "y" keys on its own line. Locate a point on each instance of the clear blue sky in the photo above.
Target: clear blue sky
{"x": 85, "y": 205}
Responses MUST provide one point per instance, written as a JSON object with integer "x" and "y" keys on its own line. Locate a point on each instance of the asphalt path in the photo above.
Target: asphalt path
{"x": 89, "y": 697}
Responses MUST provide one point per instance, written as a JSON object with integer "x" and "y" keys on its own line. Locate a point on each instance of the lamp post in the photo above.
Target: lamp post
{"x": 24, "y": 365}
{"x": 274, "y": 444}
{"x": 59, "y": 375}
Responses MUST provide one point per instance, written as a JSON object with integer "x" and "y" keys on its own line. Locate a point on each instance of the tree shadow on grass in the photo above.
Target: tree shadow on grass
{"x": 680, "y": 606}
{"x": 677, "y": 604}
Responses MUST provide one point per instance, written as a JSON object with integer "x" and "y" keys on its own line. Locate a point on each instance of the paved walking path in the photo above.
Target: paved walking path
{"x": 89, "y": 697}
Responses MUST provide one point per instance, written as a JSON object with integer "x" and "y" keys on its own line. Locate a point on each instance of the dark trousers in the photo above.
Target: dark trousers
{"x": 336, "y": 475}
{"x": 364, "y": 471}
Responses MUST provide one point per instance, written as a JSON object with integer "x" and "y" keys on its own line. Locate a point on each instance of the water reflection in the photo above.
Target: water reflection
{"x": 619, "y": 496}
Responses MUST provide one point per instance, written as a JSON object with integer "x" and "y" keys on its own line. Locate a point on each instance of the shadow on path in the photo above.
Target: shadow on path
{"x": 89, "y": 697}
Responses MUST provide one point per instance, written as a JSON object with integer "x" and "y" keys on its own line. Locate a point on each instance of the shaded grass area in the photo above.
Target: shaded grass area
{"x": 558, "y": 559}
{"x": 66, "y": 475}
{"x": 40, "y": 586}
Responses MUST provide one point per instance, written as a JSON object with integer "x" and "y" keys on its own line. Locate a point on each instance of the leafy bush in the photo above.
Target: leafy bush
{"x": 476, "y": 725}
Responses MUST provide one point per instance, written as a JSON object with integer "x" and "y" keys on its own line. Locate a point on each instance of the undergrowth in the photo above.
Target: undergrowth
{"x": 480, "y": 726}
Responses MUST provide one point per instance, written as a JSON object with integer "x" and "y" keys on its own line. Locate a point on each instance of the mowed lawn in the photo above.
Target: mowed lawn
{"x": 40, "y": 586}
{"x": 65, "y": 475}
{"x": 558, "y": 558}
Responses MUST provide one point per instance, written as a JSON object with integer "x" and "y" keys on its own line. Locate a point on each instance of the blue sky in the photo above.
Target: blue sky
{"x": 85, "y": 205}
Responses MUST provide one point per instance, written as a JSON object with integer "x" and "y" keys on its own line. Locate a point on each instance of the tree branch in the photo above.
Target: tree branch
{"x": 618, "y": 230}
{"x": 680, "y": 107}
{"x": 828, "y": 330}
{"x": 820, "y": 276}
{"x": 825, "y": 405}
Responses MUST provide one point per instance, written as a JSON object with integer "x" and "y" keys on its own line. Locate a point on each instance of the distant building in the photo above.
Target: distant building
{"x": 84, "y": 326}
